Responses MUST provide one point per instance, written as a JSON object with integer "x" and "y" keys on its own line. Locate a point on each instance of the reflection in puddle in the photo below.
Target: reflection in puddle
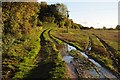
{"x": 71, "y": 48}
{"x": 102, "y": 71}
{"x": 94, "y": 73}
{"x": 68, "y": 59}
{"x": 83, "y": 53}
{"x": 97, "y": 64}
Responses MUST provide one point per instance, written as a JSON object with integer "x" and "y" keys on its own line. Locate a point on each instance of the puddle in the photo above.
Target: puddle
{"x": 94, "y": 73}
{"x": 68, "y": 59}
{"x": 71, "y": 47}
{"x": 83, "y": 53}
{"x": 102, "y": 71}
{"x": 89, "y": 48}
{"x": 107, "y": 73}
{"x": 97, "y": 64}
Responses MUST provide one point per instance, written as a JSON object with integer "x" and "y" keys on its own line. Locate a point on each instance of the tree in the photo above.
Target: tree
{"x": 19, "y": 17}
{"x": 55, "y": 13}
{"x": 19, "y": 35}
{"x": 104, "y": 28}
{"x": 61, "y": 8}
{"x": 91, "y": 27}
{"x": 118, "y": 27}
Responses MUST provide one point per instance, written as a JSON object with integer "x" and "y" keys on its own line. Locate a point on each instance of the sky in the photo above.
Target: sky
{"x": 92, "y": 13}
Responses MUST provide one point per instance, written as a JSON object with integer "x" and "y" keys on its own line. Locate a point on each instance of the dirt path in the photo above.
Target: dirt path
{"x": 52, "y": 38}
{"x": 42, "y": 70}
{"x": 70, "y": 74}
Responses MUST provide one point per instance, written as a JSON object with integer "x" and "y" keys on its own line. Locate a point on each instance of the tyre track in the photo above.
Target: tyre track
{"x": 74, "y": 74}
{"x": 42, "y": 70}
{"x": 111, "y": 52}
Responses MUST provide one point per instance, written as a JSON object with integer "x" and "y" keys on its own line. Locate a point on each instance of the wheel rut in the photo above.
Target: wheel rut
{"x": 111, "y": 51}
{"x": 42, "y": 69}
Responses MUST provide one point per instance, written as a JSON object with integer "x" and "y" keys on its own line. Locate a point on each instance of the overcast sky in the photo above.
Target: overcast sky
{"x": 95, "y": 13}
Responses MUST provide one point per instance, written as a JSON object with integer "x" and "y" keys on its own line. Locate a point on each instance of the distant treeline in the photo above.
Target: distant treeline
{"x": 104, "y": 28}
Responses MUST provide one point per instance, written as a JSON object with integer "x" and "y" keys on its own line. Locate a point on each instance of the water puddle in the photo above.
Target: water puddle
{"x": 94, "y": 62}
{"x": 68, "y": 58}
{"x": 102, "y": 71}
{"x": 89, "y": 48}
{"x": 71, "y": 47}
{"x": 94, "y": 73}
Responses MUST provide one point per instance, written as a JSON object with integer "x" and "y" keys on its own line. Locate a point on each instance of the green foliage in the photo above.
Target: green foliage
{"x": 61, "y": 24}
{"x": 28, "y": 60}
{"x": 39, "y": 23}
{"x": 21, "y": 42}
{"x": 54, "y": 13}
{"x": 75, "y": 26}
{"x": 52, "y": 55}
{"x": 68, "y": 23}
{"x": 21, "y": 37}
{"x": 104, "y": 28}
{"x": 47, "y": 25}
{"x": 58, "y": 72}
{"x": 57, "y": 40}
{"x": 19, "y": 17}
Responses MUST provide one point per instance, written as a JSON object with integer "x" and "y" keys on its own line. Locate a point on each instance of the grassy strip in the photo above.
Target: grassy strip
{"x": 76, "y": 55}
{"x": 98, "y": 47}
{"x": 56, "y": 39}
{"x": 58, "y": 69}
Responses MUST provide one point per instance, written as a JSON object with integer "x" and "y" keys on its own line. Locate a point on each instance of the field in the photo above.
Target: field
{"x": 103, "y": 43}
{"x": 76, "y": 37}
{"x": 110, "y": 36}
{"x": 110, "y": 41}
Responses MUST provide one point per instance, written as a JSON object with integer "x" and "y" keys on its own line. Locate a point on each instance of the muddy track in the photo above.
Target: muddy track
{"x": 51, "y": 37}
{"x": 111, "y": 52}
{"x": 88, "y": 48}
{"x": 109, "y": 48}
{"x": 72, "y": 73}
{"x": 42, "y": 70}
{"x": 78, "y": 68}
{"x": 42, "y": 42}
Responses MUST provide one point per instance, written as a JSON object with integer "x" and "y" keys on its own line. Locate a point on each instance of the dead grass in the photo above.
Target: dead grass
{"x": 76, "y": 36}
{"x": 111, "y": 37}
